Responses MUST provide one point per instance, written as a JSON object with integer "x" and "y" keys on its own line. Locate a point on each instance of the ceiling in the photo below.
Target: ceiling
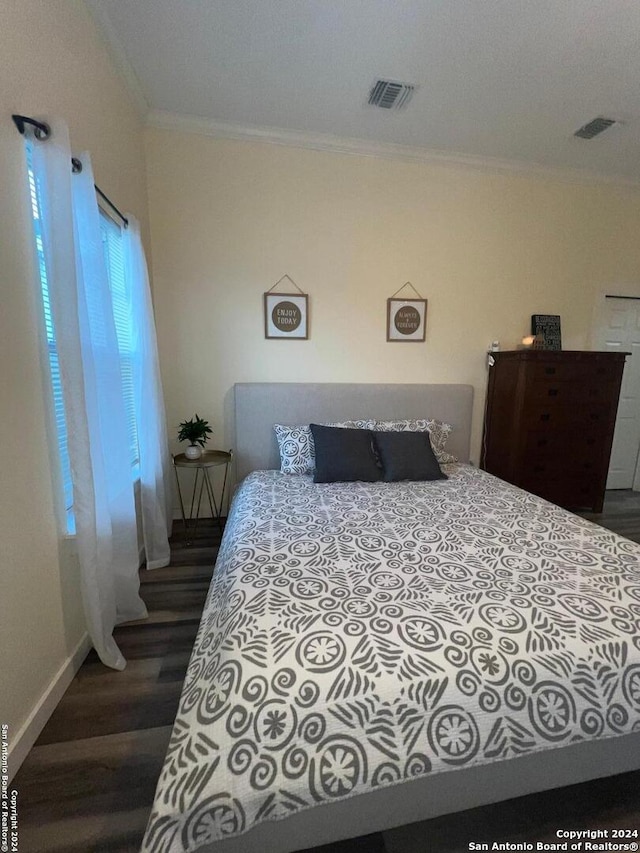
{"x": 501, "y": 79}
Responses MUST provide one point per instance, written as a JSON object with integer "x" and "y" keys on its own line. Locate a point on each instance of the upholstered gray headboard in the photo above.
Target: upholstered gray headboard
{"x": 260, "y": 405}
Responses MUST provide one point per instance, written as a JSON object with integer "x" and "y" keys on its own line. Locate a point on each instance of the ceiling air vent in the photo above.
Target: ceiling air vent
{"x": 593, "y": 128}
{"x": 390, "y": 95}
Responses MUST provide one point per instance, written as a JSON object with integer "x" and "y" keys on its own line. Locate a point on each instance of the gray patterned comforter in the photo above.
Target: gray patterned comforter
{"x": 357, "y": 635}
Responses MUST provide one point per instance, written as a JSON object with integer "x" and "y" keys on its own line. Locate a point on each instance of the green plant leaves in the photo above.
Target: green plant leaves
{"x": 195, "y": 431}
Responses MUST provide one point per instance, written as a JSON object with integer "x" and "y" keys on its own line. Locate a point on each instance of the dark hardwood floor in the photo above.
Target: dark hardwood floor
{"x": 87, "y": 785}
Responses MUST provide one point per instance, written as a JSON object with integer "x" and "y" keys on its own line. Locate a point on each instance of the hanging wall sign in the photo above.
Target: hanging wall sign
{"x": 406, "y": 318}
{"x": 286, "y": 315}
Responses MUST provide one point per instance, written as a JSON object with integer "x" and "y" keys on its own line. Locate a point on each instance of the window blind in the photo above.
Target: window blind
{"x": 52, "y": 349}
{"x": 122, "y": 315}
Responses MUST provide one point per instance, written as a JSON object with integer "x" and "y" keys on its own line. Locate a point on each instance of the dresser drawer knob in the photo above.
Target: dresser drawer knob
{"x": 538, "y": 467}
{"x": 553, "y": 392}
{"x": 542, "y": 442}
{"x": 545, "y": 417}
{"x": 549, "y": 371}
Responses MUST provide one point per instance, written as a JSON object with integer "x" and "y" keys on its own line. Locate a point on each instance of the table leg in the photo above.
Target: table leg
{"x": 193, "y": 495}
{"x": 213, "y": 505}
{"x": 184, "y": 517}
{"x": 203, "y": 472}
{"x": 224, "y": 484}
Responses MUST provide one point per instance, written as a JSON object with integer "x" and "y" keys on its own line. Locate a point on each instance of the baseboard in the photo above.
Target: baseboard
{"x": 21, "y": 744}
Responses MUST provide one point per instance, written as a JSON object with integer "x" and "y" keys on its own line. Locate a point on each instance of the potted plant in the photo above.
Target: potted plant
{"x": 196, "y": 431}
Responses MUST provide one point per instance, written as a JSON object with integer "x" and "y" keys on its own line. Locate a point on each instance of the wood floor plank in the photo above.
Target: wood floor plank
{"x": 72, "y": 778}
{"x": 112, "y": 831}
{"x": 174, "y": 574}
{"x": 143, "y": 641}
{"x": 365, "y": 844}
{"x": 195, "y": 556}
{"x": 86, "y": 715}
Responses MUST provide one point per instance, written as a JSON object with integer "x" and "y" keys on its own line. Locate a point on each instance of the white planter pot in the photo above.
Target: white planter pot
{"x": 193, "y": 451}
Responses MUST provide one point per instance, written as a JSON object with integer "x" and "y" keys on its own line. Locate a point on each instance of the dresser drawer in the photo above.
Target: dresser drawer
{"x": 551, "y": 415}
{"x": 560, "y": 393}
{"x": 558, "y": 371}
{"x": 561, "y": 444}
{"x": 576, "y": 371}
{"x": 598, "y": 391}
{"x": 552, "y": 392}
{"x": 580, "y": 492}
{"x": 560, "y": 469}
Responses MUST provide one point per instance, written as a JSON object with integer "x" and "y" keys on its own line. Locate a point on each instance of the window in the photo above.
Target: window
{"x": 121, "y": 302}
{"x": 52, "y": 349}
{"x": 114, "y": 259}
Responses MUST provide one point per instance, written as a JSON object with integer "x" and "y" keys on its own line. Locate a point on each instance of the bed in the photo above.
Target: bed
{"x": 372, "y": 654}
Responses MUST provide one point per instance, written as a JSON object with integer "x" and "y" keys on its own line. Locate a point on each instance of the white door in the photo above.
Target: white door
{"x": 619, "y": 331}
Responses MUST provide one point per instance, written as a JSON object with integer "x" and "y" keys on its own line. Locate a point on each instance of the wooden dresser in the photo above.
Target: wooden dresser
{"x": 549, "y": 422}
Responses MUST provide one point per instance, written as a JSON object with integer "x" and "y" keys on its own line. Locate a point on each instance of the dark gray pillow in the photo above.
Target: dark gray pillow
{"x": 344, "y": 455}
{"x": 407, "y": 456}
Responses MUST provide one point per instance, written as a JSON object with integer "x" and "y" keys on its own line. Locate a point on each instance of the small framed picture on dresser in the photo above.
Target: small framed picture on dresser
{"x": 547, "y": 327}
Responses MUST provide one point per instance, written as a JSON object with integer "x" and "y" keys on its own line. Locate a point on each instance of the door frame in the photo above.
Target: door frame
{"x": 597, "y": 319}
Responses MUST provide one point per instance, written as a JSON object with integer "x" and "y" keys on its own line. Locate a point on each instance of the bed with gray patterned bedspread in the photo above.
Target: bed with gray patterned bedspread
{"x": 358, "y": 635}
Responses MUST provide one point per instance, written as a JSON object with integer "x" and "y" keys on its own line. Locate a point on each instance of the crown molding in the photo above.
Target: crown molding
{"x": 165, "y": 120}
{"x": 118, "y": 55}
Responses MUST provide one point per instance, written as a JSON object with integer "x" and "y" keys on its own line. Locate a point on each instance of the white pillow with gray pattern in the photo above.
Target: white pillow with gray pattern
{"x": 295, "y": 443}
{"x": 438, "y": 431}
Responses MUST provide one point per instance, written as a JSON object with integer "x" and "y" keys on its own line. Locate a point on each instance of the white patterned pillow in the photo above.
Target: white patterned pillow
{"x": 297, "y": 451}
{"x": 438, "y": 431}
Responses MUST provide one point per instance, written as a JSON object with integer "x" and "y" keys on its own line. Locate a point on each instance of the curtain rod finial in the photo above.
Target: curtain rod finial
{"x": 40, "y": 129}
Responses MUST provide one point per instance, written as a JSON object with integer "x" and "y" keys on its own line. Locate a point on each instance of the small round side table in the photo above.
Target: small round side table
{"x": 209, "y": 459}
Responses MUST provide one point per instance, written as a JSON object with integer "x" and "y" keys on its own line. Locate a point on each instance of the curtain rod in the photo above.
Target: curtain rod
{"x": 613, "y": 296}
{"x": 42, "y": 131}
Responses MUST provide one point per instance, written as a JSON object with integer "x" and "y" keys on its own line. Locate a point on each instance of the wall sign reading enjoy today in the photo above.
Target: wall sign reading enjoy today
{"x": 286, "y": 315}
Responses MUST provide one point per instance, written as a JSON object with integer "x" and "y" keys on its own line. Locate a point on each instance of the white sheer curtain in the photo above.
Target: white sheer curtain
{"x": 94, "y": 408}
{"x": 155, "y": 489}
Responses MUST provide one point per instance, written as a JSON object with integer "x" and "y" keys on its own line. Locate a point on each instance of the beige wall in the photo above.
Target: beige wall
{"x": 51, "y": 63}
{"x": 228, "y": 218}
